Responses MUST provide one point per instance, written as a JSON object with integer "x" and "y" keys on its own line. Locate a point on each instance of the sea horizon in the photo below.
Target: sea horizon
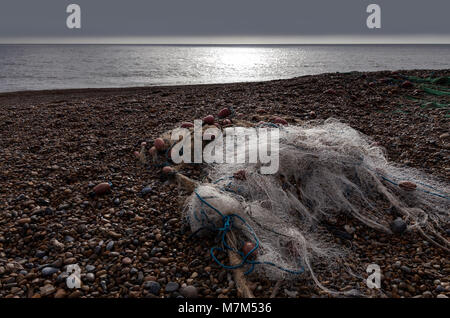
{"x": 26, "y": 67}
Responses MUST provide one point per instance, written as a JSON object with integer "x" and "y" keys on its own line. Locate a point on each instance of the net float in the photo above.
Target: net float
{"x": 248, "y": 247}
{"x": 281, "y": 121}
{"x": 407, "y": 185}
{"x": 407, "y": 84}
{"x": 152, "y": 151}
{"x": 167, "y": 170}
{"x": 240, "y": 175}
{"x": 187, "y": 125}
{"x": 159, "y": 144}
{"x": 102, "y": 188}
{"x": 209, "y": 120}
{"x": 226, "y": 122}
{"x": 225, "y": 112}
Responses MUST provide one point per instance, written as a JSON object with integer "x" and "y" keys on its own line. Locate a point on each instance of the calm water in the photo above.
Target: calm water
{"x": 37, "y": 67}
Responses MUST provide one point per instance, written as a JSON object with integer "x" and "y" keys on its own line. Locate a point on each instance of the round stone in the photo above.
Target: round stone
{"x": 47, "y": 271}
{"x": 398, "y": 226}
{"x": 171, "y": 287}
{"x": 189, "y": 292}
{"x": 90, "y": 268}
{"x": 90, "y": 277}
{"x": 146, "y": 190}
{"x": 110, "y": 245}
{"x": 152, "y": 287}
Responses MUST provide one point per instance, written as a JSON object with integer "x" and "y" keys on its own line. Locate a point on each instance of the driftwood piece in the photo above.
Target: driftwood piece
{"x": 276, "y": 289}
{"x": 238, "y": 274}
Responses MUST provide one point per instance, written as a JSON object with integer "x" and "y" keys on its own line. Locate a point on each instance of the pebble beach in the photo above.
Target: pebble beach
{"x": 56, "y": 146}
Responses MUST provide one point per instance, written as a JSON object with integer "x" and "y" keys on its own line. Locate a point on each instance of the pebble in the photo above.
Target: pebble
{"x": 153, "y": 287}
{"x": 440, "y": 289}
{"x": 69, "y": 239}
{"x": 406, "y": 269}
{"x": 40, "y": 254}
{"x": 398, "y": 226}
{"x": 427, "y": 294}
{"x": 102, "y": 188}
{"x": 60, "y": 293}
{"x": 58, "y": 244}
{"x": 47, "y": 290}
{"x": 171, "y": 287}
{"x": 189, "y": 292}
{"x": 349, "y": 229}
{"x": 24, "y": 221}
{"x": 90, "y": 268}
{"x": 146, "y": 190}
{"x": 48, "y": 271}
{"x": 70, "y": 260}
{"x": 90, "y": 277}
{"x": 110, "y": 245}
{"x": 126, "y": 261}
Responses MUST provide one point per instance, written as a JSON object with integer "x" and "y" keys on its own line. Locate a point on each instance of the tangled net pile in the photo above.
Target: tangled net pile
{"x": 326, "y": 170}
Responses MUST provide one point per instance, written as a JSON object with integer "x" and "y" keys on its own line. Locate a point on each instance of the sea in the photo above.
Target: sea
{"x": 42, "y": 67}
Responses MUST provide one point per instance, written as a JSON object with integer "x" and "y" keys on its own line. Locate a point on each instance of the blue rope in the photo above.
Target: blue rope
{"x": 228, "y": 221}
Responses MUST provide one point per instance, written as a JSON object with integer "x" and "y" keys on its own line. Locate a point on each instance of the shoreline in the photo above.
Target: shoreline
{"x": 179, "y": 86}
{"x": 56, "y": 145}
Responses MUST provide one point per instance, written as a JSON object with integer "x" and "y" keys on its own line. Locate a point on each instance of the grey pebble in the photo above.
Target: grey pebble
{"x": 152, "y": 287}
{"x": 189, "y": 292}
{"x": 47, "y": 271}
{"x": 398, "y": 226}
{"x": 171, "y": 287}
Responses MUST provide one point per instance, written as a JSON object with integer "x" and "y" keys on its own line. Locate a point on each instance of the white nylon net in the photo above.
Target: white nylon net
{"x": 326, "y": 170}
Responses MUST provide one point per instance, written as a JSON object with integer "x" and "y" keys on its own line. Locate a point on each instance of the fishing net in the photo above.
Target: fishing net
{"x": 435, "y": 88}
{"x": 326, "y": 170}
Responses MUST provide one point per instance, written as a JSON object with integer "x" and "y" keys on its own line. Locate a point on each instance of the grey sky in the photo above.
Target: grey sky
{"x": 213, "y": 18}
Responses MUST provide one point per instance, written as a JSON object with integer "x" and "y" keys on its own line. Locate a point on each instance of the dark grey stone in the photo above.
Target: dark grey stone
{"x": 152, "y": 287}
{"x": 398, "y": 226}
{"x": 171, "y": 287}
{"x": 48, "y": 271}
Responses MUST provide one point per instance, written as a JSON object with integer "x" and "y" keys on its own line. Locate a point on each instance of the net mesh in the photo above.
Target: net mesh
{"x": 326, "y": 170}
